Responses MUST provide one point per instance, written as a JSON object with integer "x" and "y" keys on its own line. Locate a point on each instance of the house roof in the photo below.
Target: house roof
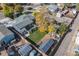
{"x": 66, "y": 20}
{"x": 46, "y": 45}
{"x": 24, "y": 49}
{"x": 52, "y": 8}
{"x": 7, "y": 19}
{"x": 23, "y": 21}
{"x": 4, "y": 31}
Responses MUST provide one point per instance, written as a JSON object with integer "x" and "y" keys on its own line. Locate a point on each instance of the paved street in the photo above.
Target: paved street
{"x": 68, "y": 38}
{"x": 71, "y": 47}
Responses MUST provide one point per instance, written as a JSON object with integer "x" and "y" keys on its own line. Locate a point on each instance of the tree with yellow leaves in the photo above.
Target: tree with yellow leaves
{"x": 18, "y": 8}
{"x": 43, "y": 20}
{"x": 40, "y": 20}
{"x": 7, "y": 10}
{"x": 10, "y": 9}
{"x": 51, "y": 28}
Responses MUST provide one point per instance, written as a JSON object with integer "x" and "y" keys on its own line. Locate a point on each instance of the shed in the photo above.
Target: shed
{"x": 45, "y": 46}
{"x": 24, "y": 50}
{"x": 6, "y": 35}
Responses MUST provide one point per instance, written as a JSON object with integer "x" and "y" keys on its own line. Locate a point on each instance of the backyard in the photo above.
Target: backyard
{"x": 36, "y": 36}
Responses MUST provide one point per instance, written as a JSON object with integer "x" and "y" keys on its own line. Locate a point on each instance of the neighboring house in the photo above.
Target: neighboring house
{"x": 61, "y": 6}
{"x": 72, "y": 13}
{"x": 24, "y": 24}
{"x": 65, "y": 20}
{"x": 6, "y": 36}
{"x": 36, "y": 5}
{"x": 5, "y": 21}
{"x": 71, "y": 5}
{"x": 27, "y": 9}
{"x": 62, "y": 13}
{"x": 24, "y": 50}
{"x": 53, "y": 8}
{"x": 46, "y": 45}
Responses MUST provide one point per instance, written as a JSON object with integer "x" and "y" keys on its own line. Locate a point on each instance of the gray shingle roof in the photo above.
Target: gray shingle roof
{"x": 23, "y": 21}
{"x": 46, "y": 45}
{"x": 24, "y": 49}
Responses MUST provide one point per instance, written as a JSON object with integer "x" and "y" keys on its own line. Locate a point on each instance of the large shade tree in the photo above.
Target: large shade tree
{"x": 7, "y": 10}
{"x": 62, "y": 29}
{"x": 43, "y": 19}
{"x": 10, "y": 9}
{"x": 18, "y": 8}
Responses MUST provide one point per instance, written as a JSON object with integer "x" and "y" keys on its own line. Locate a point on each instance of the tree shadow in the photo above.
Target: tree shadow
{"x": 31, "y": 41}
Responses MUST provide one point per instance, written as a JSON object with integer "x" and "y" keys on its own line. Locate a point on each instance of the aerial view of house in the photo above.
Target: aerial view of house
{"x": 39, "y": 29}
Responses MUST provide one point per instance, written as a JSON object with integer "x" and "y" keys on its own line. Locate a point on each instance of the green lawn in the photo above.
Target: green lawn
{"x": 36, "y": 36}
{"x": 77, "y": 6}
